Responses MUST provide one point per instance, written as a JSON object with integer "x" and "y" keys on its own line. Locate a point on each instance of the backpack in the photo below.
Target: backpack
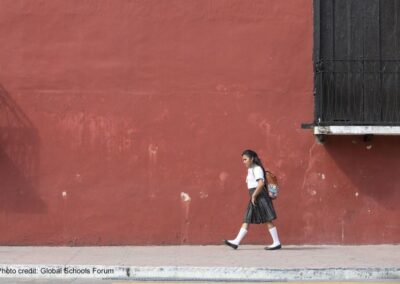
{"x": 272, "y": 185}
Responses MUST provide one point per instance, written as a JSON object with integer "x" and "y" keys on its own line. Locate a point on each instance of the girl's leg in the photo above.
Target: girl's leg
{"x": 270, "y": 225}
{"x": 276, "y": 244}
{"x": 240, "y": 235}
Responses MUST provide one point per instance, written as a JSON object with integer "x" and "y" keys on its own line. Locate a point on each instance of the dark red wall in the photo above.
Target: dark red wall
{"x": 112, "y": 111}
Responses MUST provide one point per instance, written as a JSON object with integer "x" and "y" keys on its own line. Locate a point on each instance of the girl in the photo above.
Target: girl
{"x": 260, "y": 209}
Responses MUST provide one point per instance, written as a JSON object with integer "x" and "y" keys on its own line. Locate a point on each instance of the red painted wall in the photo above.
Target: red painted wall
{"x": 112, "y": 111}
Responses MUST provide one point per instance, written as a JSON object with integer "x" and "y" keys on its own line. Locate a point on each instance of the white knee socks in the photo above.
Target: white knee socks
{"x": 275, "y": 238}
{"x": 239, "y": 237}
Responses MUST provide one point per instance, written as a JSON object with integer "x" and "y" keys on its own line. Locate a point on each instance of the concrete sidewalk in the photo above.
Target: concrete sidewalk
{"x": 207, "y": 263}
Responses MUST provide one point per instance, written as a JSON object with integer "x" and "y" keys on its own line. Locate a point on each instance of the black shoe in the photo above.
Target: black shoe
{"x": 273, "y": 248}
{"x": 230, "y": 244}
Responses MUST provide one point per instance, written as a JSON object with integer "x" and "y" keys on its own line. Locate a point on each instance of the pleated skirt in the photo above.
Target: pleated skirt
{"x": 263, "y": 211}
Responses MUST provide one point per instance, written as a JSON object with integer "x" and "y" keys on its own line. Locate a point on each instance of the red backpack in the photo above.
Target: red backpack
{"x": 272, "y": 185}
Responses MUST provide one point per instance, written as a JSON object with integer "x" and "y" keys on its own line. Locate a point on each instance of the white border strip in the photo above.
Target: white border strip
{"x": 357, "y": 130}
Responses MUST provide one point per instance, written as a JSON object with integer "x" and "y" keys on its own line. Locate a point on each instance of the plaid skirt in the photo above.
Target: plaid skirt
{"x": 263, "y": 211}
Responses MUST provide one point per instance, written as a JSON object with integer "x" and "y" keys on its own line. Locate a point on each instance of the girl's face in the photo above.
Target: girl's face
{"x": 247, "y": 161}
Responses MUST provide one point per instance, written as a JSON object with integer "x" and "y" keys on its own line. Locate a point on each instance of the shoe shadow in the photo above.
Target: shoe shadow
{"x": 301, "y": 248}
{"x": 249, "y": 248}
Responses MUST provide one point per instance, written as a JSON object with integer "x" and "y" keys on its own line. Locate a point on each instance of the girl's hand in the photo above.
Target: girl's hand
{"x": 253, "y": 200}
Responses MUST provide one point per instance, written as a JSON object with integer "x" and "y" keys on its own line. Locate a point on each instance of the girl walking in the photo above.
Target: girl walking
{"x": 260, "y": 209}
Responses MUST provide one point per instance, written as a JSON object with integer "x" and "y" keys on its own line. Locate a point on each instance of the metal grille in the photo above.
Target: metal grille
{"x": 357, "y": 62}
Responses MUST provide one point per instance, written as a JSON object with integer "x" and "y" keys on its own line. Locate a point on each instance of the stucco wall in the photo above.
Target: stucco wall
{"x": 122, "y": 122}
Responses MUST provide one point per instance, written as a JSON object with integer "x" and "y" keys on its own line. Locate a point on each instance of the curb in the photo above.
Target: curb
{"x": 261, "y": 274}
{"x": 181, "y": 273}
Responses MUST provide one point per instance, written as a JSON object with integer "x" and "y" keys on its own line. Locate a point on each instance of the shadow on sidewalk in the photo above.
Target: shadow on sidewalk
{"x": 301, "y": 248}
{"x": 286, "y": 248}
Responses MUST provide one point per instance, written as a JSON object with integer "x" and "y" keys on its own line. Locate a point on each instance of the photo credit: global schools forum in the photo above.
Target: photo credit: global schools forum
{"x": 61, "y": 271}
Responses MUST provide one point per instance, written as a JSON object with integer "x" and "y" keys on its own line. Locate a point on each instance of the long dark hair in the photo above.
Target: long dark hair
{"x": 256, "y": 160}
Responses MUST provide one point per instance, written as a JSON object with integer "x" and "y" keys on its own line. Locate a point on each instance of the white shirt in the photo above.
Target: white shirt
{"x": 254, "y": 173}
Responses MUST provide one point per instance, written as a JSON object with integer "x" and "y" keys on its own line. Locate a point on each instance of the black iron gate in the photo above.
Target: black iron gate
{"x": 357, "y": 62}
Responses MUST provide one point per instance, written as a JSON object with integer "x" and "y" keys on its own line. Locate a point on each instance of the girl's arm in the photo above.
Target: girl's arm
{"x": 257, "y": 191}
